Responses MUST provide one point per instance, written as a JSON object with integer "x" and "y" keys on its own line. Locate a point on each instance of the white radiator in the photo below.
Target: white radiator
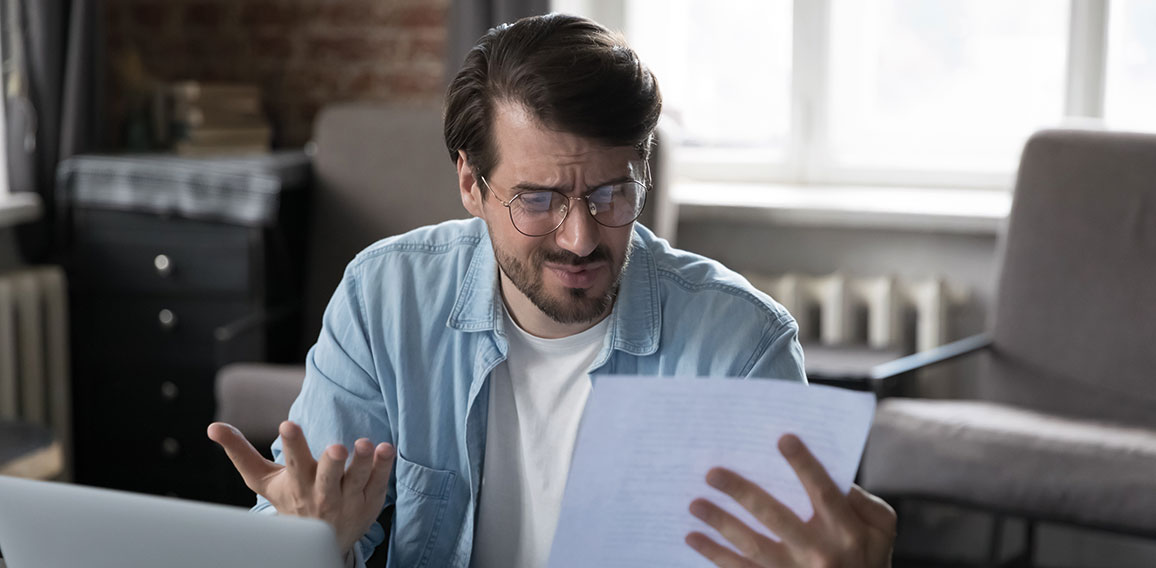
{"x": 34, "y": 369}
{"x": 882, "y": 312}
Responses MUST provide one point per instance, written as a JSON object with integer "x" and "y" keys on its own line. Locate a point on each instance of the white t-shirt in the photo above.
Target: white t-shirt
{"x": 536, "y": 400}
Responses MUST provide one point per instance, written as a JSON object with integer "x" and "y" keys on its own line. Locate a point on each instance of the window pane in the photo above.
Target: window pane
{"x": 724, "y": 72}
{"x": 1130, "y": 99}
{"x": 943, "y": 85}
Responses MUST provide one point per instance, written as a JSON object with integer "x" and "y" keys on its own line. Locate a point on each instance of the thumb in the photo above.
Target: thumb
{"x": 252, "y": 466}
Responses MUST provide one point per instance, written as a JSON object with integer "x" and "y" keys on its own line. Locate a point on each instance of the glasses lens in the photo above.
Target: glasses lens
{"x": 538, "y": 212}
{"x": 618, "y": 204}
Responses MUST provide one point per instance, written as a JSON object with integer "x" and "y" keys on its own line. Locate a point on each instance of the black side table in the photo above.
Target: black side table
{"x": 177, "y": 266}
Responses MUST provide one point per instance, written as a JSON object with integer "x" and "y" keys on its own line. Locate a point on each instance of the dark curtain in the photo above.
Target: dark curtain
{"x": 469, "y": 20}
{"x": 53, "y": 52}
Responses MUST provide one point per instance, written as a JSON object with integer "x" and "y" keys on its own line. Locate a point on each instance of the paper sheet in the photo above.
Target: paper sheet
{"x": 646, "y": 443}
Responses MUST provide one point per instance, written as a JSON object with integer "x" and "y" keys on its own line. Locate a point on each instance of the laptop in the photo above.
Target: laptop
{"x": 57, "y": 525}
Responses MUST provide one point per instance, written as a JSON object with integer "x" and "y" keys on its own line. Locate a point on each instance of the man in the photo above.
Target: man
{"x": 466, "y": 349}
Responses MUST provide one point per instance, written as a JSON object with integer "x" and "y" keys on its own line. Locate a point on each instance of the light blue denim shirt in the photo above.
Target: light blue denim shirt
{"x": 415, "y": 328}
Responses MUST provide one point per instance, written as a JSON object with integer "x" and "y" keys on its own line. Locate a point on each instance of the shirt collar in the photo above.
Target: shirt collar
{"x": 478, "y": 305}
{"x": 636, "y": 318}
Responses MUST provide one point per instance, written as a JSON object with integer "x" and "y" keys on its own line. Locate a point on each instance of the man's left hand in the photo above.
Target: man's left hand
{"x": 856, "y": 530}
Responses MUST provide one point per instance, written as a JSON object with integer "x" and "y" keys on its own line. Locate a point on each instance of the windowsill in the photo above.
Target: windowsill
{"x": 972, "y": 211}
{"x": 16, "y": 208}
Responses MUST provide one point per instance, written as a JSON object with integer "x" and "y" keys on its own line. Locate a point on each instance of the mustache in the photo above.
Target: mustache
{"x": 564, "y": 257}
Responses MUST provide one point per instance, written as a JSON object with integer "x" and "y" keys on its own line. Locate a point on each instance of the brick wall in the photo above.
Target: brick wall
{"x": 303, "y": 53}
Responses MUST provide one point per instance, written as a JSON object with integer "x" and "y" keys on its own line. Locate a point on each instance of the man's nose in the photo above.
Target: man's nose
{"x": 579, "y": 233}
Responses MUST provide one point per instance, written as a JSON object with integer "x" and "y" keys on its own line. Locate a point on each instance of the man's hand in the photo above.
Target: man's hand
{"x": 856, "y": 530}
{"x": 347, "y": 498}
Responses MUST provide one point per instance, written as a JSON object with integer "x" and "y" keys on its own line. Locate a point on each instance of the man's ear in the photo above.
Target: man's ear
{"x": 468, "y": 186}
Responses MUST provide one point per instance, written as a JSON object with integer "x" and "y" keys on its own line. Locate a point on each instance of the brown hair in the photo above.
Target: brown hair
{"x": 573, "y": 74}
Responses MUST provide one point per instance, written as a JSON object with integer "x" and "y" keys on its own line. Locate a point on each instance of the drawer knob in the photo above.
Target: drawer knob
{"x": 171, "y": 447}
{"x": 169, "y": 391}
{"x": 163, "y": 264}
{"x": 167, "y": 319}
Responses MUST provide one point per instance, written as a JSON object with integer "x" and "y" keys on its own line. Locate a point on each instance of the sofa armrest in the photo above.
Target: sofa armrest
{"x": 255, "y": 398}
{"x": 895, "y": 370}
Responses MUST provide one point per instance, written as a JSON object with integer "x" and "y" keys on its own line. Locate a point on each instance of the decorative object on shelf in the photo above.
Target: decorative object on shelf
{"x": 213, "y": 119}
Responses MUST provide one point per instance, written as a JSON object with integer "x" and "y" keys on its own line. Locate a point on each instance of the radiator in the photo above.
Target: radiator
{"x": 34, "y": 369}
{"x": 880, "y": 312}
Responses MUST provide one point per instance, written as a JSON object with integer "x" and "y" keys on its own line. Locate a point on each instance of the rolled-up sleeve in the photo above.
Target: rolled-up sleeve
{"x": 341, "y": 399}
{"x": 779, "y": 355}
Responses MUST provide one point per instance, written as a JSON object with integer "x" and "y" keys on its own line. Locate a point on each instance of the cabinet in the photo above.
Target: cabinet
{"x": 176, "y": 267}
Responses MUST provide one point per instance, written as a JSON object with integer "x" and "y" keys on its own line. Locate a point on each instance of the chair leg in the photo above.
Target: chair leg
{"x": 1030, "y": 543}
{"x": 995, "y": 543}
{"x": 1026, "y": 557}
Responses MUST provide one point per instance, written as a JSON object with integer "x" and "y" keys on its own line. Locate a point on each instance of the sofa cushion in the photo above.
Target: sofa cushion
{"x": 1015, "y": 460}
{"x": 255, "y": 398}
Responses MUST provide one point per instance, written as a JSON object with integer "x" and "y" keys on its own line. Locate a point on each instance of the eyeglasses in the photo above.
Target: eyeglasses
{"x": 537, "y": 213}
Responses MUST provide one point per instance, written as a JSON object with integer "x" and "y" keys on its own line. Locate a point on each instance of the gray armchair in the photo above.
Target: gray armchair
{"x": 379, "y": 170}
{"x": 1065, "y": 428}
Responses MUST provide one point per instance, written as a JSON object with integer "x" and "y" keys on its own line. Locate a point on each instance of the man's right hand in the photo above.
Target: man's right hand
{"x": 350, "y": 498}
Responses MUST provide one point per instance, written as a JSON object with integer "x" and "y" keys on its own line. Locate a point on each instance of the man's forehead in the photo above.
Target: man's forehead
{"x": 526, "y": 147}
{"x": 517, "y": 128}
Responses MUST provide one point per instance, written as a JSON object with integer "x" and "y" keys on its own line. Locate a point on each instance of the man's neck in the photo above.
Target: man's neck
{"x": 535, "y": 322}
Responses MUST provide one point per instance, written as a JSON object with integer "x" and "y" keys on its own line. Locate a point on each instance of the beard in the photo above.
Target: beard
{"x": 577, "y": 305}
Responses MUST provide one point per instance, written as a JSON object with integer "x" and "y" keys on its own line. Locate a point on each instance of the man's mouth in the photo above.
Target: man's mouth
{"x": 577, "y": 275}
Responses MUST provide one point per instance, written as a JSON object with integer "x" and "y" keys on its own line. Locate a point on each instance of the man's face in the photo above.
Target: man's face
{"x": 570, "y": 275}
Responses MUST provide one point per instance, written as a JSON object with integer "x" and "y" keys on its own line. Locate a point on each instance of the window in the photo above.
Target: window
{"x": 918, "y": 93}
{"x": 941, "y": 86}
{"x": 3, "y": 104}
{"x": 736, "y": 108}
{"x": 1130, "y": 97}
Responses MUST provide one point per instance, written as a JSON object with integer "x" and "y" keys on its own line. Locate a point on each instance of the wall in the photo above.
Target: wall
{"x": 9, "y": 255}
{"x": 966, "y": 261}
{"x": 303, "y": 53}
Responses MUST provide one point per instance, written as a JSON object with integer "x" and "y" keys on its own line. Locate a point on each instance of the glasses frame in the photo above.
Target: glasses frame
{"x": 647, "y": 185}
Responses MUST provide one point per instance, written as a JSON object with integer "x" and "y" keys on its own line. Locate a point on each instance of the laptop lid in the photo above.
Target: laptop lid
{"x": 57, "y": 525}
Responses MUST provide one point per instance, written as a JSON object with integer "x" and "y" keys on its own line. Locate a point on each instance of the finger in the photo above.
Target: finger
{"x": 749, "y": 542}
{"x": 824, "y": 494}
{"x": 298, "y": 459}
{"x": 252, "y": 466}
{"x": 359, "y": 469}
{"x": 330, "y": 470}
{"x": 720, "y": 555}
{"x": 378, "y": 484}
{"x": 766, "y": 509}
{"x": 873, "y": 510}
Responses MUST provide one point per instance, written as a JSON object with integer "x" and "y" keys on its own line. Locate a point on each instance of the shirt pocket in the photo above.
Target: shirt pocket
{"x": 423, "y": 495}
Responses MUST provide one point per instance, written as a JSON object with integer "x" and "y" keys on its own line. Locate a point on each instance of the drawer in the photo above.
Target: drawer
{"x": 153, "y": 444}
{"x": 132, "y": 399}
{"x": 199, "y": 482}
{"x": 162, "y": 332}
{"x": 136, "y": 253}
{"x": 208, "y": 475}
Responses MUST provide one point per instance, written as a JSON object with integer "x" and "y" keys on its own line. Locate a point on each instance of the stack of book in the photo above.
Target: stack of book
{"x": 217, "y": 119}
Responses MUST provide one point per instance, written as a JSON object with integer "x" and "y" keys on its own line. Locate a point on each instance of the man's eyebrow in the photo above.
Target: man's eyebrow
{"x": 527, "y": 186}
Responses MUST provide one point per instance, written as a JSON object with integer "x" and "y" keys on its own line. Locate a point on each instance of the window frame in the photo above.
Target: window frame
{"x": 806, "y": 160}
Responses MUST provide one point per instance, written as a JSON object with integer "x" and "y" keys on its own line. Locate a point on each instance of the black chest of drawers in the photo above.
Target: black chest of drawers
{"x": 176, "y": 267}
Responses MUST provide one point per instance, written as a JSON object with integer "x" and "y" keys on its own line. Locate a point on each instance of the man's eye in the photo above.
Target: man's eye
{"x": 605, "y": 194}
{"x": 536, "y": 201}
